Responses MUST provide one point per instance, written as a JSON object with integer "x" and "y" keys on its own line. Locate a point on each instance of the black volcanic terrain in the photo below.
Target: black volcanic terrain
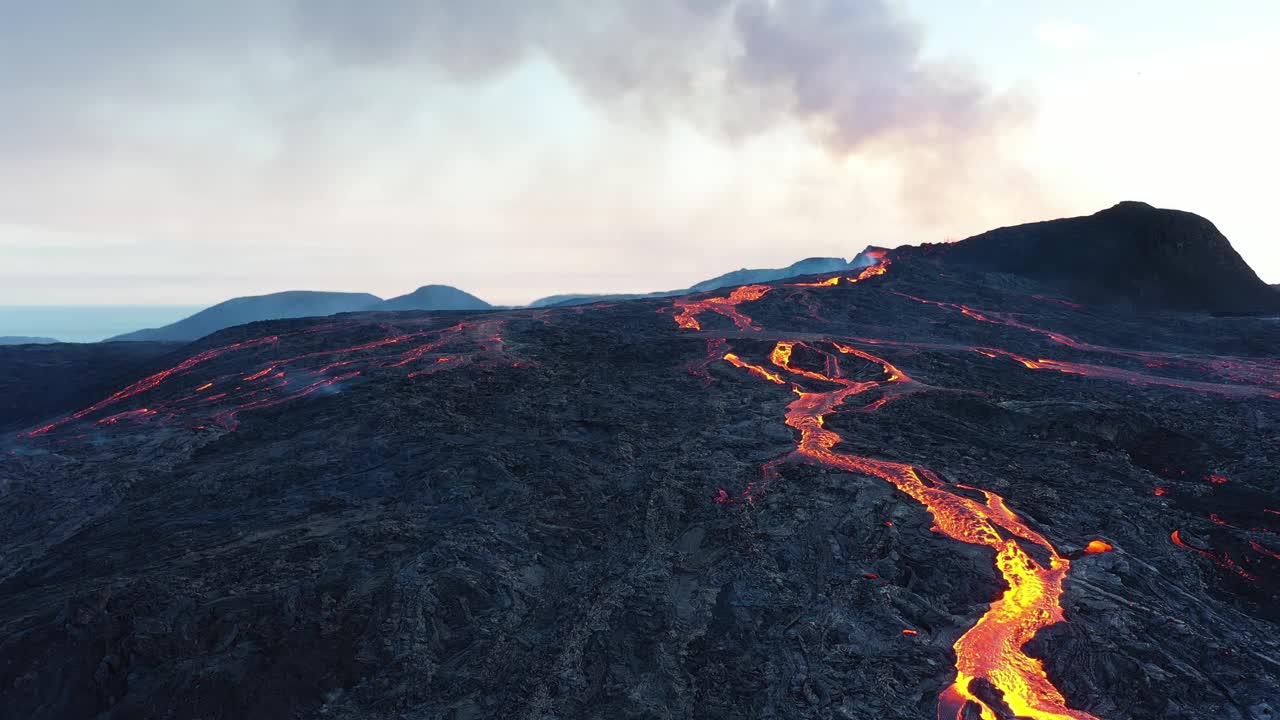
{"x": 938, "y": 486}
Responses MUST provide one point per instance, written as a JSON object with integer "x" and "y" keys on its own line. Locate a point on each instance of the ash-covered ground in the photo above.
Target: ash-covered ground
{"x": 591, "y": 513}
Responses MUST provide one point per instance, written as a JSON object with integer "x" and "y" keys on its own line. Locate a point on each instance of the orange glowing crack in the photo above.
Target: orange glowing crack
{"x": 1259, "y": 547}
{"x": 151, "y": 382}
{"x": 1106, "y": 372}
{"x": 1223, "y": 561}
{"x": 736, "y": 361}
{"x": 453, "y": 346}
{"x": 1261, "y": 372}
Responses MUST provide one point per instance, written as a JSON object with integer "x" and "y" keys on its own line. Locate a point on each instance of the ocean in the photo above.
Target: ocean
{"x": 87, "y": 323}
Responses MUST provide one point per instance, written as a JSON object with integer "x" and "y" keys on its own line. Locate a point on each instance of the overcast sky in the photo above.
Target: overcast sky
{"x": 154, "y": 151}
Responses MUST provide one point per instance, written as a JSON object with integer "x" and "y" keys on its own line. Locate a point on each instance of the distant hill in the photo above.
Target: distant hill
{"x": 434, "y": 297}
{"x": 745, "y": 276}
{"x": 21, "y": 340}
{"x": 302, "y": 303}
{"x": 588, "y": 298}
{"x": 1131, "y": 253}
{"x": 573, "y": 299}
{"x": 238, "y": 311}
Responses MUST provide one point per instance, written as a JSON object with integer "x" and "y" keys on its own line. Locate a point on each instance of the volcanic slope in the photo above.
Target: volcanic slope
{"x": 908, "y": 492}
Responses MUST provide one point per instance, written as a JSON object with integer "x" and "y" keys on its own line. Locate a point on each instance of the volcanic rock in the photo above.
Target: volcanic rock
{"x": 594, "y": 512}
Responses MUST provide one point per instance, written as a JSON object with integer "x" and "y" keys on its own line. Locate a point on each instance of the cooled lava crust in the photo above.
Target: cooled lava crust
{"x": 911, "y": 491}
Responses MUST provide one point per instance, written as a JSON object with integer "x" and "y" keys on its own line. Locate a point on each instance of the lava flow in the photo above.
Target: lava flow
{"x": 1263, "y": 374}
{"x": 1107, "y": 372}
{"x": 989, "y": 655}
{"x": 689, "y": 310}
{"x": 1224, "y": 561}
{"x": 992, "y": 649}
{"x": 217, "y": 397}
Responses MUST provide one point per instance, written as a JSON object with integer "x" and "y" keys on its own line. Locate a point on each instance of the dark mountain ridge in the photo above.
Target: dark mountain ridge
{"x": 1131, "y": 253}
{"x": 744, "y": 276}
{"x": 253, "y": 308}
{"x": 302, "y": 303}
{"x": 433, "y": 297}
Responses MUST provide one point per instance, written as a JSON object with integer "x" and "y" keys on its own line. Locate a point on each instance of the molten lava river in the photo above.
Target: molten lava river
{"x": 990, "y": 654}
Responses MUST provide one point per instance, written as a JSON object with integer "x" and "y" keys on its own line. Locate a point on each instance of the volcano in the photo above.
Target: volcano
{"x": 1131, "y": 253}
{"x": 937, "y": 486}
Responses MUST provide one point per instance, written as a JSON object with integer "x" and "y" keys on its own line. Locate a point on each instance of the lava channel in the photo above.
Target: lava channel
{"x": 991, "y": 650}
{"x": 989, "y": 654}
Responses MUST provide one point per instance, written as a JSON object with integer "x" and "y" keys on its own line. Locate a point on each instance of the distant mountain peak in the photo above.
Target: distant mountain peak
{"x": 435, "y": 297}
{"x": 1130, "y": 205}
{"x": 252, "y": 308}
{"x": 25, "y": 340}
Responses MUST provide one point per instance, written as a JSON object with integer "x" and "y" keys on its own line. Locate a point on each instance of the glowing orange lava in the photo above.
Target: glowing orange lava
{"x": 992, "y": 648}
{"x": 1128, "y": 376}
{"x": 689, "y": 310}
{"x": 1223, "y": 561}
{"x": 282, "y": 380}
{"x": 821, "y": 283}
{"x": 736, "y": 361}
{"x": 1096, "y": 547}
{"x": 1262, "y": 373}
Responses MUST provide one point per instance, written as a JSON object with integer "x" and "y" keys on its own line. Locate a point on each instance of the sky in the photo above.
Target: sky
{"x": 165, "y": 153}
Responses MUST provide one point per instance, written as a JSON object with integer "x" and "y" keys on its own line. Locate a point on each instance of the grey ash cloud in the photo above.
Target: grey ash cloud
{"x": 168, "y": 119}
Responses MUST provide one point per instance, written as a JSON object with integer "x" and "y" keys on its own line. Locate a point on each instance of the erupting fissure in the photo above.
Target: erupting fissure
{"x": 990, "y": 651}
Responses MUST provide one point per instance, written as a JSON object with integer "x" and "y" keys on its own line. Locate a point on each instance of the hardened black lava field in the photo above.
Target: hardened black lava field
{"x": 916, "y": 490}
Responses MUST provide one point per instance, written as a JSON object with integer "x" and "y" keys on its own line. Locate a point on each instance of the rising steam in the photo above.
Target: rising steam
{"x": 852, "y": 73}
